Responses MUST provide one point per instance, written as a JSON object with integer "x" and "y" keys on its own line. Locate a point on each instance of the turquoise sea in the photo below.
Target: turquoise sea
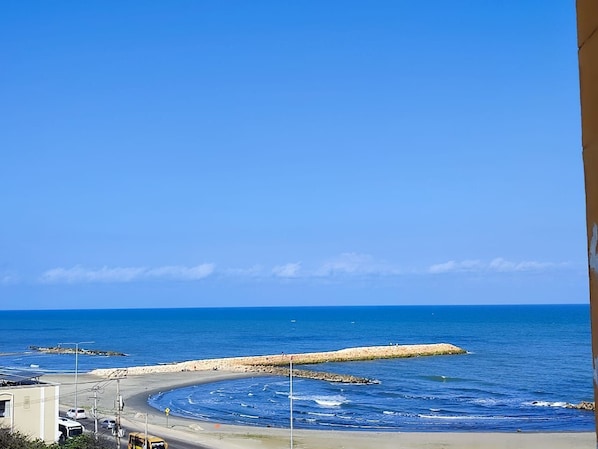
{"x": 524, "y": 363}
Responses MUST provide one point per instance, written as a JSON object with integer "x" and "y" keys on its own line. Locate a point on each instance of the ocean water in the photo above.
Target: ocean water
{"x": 524, "y": 363}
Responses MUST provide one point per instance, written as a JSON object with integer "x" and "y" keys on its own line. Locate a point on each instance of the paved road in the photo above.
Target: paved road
{"x": 107, "y": 433}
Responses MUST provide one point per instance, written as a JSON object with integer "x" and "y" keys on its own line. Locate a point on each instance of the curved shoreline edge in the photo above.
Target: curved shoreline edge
{"x": 137, "y": 389}
{"x": 140, "y": 384}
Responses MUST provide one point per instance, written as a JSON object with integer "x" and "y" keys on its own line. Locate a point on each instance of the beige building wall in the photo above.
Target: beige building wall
{"x": 31, "y": 410}
{"x": 587, "y": 41}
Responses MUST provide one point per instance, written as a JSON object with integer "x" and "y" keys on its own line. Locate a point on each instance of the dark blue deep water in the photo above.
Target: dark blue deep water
{"x": 524, "y": 362}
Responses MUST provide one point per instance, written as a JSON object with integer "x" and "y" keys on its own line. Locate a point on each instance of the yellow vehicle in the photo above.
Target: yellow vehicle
{"x": 137, "y": 441}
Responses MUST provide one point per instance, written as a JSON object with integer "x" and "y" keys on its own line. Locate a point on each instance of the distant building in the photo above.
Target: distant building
{"x": 28, "y": 405}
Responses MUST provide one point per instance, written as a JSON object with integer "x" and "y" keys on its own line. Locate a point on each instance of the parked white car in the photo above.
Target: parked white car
{"x": 80, "y": 414}
{"x": 108, "y": 423}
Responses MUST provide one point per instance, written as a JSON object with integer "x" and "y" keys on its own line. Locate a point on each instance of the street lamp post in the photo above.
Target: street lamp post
{"x": 76, "y": 367}
{"x": 291, "y": 397}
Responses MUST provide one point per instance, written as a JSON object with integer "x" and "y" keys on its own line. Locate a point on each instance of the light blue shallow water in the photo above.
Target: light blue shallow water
{"x": 524, "y": 362}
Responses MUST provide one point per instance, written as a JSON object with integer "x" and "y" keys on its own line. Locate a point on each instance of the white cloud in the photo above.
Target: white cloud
{"x": 290, "y": 270}
{"x": 79, "y": 274}
{"x": 356, "y": 265}
{"x": 502, "y": 265}
{"x": 344, "y": 266}
{"x": 8, "y": 278}
{"x": 251, "y": 272}
{"x": 181, "y": 273}
{"x": 497, "y": 265}
{"x": 452, "y": 266}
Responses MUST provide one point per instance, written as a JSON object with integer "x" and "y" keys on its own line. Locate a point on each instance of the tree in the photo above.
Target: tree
{"x": 16, "y": 440}
{"x": 85, "y": 442}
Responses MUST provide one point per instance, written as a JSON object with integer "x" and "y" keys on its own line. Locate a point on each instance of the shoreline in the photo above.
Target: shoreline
{"x": 137, "y": 388}
{"x": 141, "y": 382}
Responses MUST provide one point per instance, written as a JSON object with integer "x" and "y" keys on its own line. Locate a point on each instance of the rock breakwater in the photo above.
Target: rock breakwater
{"x": 82, "y": 351}
{"x": 275, "y": 363}
{"x": 583, "y": 405}
{"x": 316, "y": 375}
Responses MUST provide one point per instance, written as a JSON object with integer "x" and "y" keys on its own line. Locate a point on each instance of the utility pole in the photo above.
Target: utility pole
{"x": 291, "y": 397}
{"x": 95, "y": 411}
{"x": 118, "y": 374}
{"x": 119, "y": 404}
{"x": 145, "y": 441}
{"x": 76, "y": 344}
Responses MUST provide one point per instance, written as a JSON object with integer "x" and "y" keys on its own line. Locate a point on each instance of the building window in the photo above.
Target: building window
{"x": 4, "y": 409}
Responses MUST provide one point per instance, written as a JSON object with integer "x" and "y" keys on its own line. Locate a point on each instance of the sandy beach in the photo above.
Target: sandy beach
{"x": 136, "y": 388}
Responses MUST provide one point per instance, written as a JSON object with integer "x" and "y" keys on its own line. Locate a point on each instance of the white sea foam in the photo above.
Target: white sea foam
{"x": 547, "y": 404}
{"x": 485, "y": 401}
{"x": 320, "y": 414}
{"x": 328, "y": 403}
{"x": 323, "y": 401}
{"x": 470, "y": 417}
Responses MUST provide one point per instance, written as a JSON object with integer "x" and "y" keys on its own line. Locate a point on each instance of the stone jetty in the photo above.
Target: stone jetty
{"x": 82, "y": 351}
{"x": 270, "y": 363}
{"x": 583, "y": 405}
{"x": 316, "y": 375}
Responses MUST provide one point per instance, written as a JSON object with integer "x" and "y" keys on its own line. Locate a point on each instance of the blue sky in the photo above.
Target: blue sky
{"x": 189, "y": 154}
